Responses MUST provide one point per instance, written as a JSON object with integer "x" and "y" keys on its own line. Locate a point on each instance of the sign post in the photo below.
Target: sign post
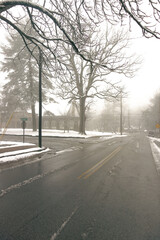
{"x": 24, "y": 126}
{"x": 40, "y": 98}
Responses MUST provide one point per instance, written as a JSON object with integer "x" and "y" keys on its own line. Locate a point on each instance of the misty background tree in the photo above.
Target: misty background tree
{"x": 20, "y": 92}
{"x": 151, "y": 115}
{"x": 82, "y": 81}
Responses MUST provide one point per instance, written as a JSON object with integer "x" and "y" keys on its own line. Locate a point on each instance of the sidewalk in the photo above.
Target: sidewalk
{"x": 11, "y": 148}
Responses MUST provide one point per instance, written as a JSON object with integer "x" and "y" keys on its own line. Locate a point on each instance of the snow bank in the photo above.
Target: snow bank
{"x": 21, "y": 154}
{"x": 155, "y": 152}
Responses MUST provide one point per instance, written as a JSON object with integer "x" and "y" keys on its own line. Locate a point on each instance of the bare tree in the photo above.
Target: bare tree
{"x": 53, "y": 22}
{"x": 82, "y": 81}
{"x": 146, "y": 14}
{"x": 63, "y": 20}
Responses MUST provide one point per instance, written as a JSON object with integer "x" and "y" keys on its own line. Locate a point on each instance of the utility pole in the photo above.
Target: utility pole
{"x": 40, "y": 98}
{"x": 121, "y": 114}
{"x": 129, "y": 122}
{"x": 159, "y": 116}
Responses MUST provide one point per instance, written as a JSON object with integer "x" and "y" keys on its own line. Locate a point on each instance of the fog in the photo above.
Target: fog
{"x": 140, "y": 89}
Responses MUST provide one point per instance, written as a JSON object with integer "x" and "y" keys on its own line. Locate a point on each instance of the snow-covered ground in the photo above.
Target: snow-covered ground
{"x": 155, "y": 151}
{"x": 56, "y": 133}
{"x": 21, "y": 154}
{"x": 15, "y": 155}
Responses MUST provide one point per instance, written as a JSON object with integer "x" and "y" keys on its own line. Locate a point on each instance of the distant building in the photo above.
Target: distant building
{"x": 70, "y": 121}
{"x": 67, "y": 122}
{"x": 14, "y": 120}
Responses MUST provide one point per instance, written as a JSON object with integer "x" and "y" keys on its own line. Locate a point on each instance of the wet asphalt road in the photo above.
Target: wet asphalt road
{"x": 101, "y": 190}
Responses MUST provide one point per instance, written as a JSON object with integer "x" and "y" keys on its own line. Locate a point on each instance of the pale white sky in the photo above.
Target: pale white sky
{"x": 147, "y": 80}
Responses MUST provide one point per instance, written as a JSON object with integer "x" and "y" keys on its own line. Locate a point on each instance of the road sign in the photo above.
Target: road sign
{"x": 157, "y": 125}
{"x": 24, "y": 119}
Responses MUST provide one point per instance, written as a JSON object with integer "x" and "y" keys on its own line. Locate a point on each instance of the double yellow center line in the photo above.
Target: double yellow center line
{"x": 97, "y": 166}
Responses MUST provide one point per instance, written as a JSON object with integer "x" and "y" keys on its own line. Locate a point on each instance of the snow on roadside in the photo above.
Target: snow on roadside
{"x": 155, "y": 152}
{"x": 21, "y": 154}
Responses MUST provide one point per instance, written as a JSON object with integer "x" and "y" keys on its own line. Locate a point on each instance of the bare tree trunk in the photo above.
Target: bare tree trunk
{"x": 82, "y": 116}
{"x": 34, "y": 125}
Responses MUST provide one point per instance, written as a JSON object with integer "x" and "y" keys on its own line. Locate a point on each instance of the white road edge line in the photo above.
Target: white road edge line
{"x": 19, "y": 185}
{"x": 55, "y": 235}
{"x": 68, "y": 150}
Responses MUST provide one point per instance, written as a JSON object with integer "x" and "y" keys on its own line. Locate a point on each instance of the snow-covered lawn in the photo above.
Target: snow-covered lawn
{"x": 57, "y": 133}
